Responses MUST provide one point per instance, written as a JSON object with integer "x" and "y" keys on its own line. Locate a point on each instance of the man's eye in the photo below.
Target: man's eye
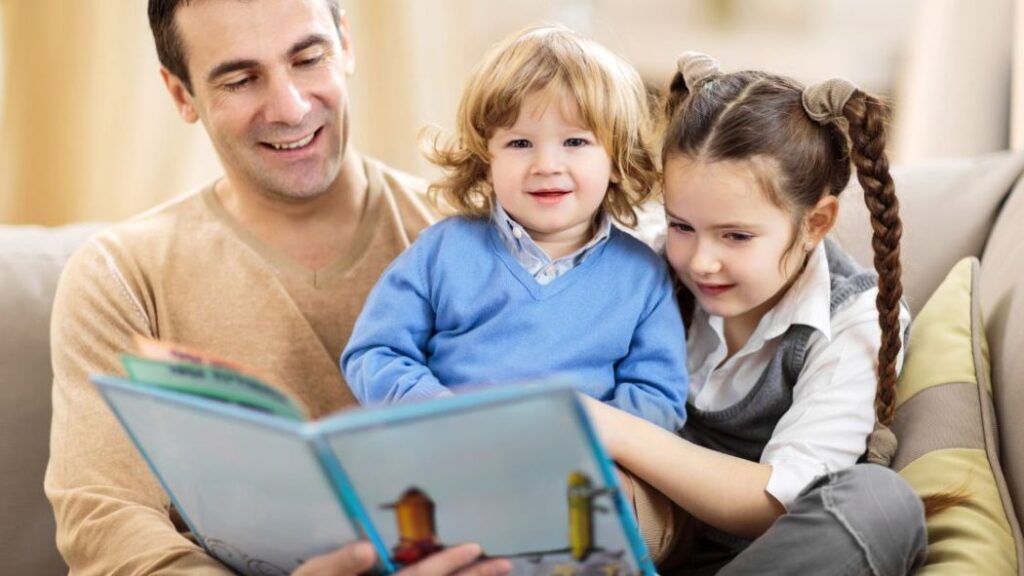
{"x": 311, "y": 61}
{"x": 519, "y": 143}
{"x": 238, "y": 84}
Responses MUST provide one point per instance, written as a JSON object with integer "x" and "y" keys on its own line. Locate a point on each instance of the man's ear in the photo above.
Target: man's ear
{"x": 821, "y": 218}
{"x": 346, "y": 43}
{"x": 182, "y": 98}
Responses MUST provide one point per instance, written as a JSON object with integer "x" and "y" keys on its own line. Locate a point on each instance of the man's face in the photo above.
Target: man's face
{"x": 269, "y": 84}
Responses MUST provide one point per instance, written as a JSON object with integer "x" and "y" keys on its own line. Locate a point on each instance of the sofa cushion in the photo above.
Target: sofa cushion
{"x": 31, "y": 259}
{"x": 945, "y": 421}
{"x": 947, "y": 206}
{"x": 1002, "y": 301}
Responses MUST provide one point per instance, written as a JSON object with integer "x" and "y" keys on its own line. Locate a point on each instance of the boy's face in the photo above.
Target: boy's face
{"x": 549, "y": 172}
{"x": 726, "y": 241}
{"x": 270, "y": 86}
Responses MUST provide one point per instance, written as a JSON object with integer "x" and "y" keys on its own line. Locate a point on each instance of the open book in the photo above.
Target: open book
{"x": 517, "y": 469}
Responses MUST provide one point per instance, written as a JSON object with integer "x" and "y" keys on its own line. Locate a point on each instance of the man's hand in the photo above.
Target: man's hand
{"x": 359, "y": 557}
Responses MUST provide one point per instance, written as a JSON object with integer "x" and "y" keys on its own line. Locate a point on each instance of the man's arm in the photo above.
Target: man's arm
{"x": 112, "y": 516}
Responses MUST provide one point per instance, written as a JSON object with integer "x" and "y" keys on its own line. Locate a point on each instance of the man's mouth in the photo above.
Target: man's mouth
{"x": 294, "y": 144}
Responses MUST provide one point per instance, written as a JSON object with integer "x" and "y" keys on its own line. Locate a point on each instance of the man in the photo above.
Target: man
{"x": 268, "y": 266}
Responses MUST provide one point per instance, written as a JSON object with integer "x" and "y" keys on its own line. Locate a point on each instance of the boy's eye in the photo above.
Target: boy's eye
{"x": 518, "y": 143}
{"x": 680, "y": 227}
{"x": 576, "y": 142}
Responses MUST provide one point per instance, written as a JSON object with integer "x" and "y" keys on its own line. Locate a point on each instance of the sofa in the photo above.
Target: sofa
{"x": 951, "y": 209}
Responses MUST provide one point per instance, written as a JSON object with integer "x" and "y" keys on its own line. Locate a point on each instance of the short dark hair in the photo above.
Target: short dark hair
{"x": 169, "y": 46}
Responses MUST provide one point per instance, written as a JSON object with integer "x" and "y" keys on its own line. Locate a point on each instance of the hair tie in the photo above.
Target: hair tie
{"x": 824, "y": 101}
{"x": 696, "y": 68}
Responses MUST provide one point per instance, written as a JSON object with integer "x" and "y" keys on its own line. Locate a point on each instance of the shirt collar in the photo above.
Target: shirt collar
{"x": 807, "y": 301}
{"x": 518, "y": 242}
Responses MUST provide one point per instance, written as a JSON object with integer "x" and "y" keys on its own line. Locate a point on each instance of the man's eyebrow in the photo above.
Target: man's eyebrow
{"x": 229, "y": 67}
{"x": 308, "y": 41}
{"x": 242, "y": 64}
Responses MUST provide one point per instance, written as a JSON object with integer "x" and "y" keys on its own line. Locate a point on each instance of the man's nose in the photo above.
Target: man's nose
{"x": 286, "y": 104}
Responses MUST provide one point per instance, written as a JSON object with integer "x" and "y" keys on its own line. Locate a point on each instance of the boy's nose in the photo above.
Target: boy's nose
{"x": 548, "y": 161}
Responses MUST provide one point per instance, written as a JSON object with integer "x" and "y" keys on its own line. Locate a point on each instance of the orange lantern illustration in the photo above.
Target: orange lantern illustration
{"x": 417, "y": 530}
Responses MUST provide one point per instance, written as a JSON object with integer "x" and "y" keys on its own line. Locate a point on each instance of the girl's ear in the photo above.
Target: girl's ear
{"x": 821, "y": 219}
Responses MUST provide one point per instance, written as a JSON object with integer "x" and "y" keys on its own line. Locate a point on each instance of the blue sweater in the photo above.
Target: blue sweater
{"x": 456, "y": 309}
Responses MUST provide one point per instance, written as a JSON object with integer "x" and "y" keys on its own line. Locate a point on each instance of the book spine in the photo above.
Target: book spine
{"x": 349, "y": 499}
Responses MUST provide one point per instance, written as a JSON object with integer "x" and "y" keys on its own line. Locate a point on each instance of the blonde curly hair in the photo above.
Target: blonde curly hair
{"x": 607, "y": 91}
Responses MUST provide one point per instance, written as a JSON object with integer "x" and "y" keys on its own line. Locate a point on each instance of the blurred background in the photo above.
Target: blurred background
{"x": 88, "y": 133}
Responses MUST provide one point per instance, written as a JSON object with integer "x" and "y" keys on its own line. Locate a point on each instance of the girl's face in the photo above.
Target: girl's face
{"x": 726, "y": 241}
{"x": 549, "y": 171}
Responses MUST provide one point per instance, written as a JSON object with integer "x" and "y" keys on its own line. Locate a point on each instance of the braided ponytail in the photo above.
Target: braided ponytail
{"x": 867, "y": 117}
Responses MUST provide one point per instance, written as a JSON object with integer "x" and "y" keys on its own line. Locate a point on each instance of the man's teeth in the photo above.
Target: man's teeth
{"x": 294, "y": 145}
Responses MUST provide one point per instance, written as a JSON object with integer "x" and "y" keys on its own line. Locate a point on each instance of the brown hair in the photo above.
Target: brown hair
{"x": 608, "y": 92}
{"x": 169, "y": 47}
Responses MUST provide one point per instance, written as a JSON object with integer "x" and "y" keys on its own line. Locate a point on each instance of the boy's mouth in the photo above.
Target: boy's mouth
{"x": 549, "y": 195}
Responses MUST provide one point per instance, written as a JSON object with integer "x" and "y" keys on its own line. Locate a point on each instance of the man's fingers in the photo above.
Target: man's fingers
{"x": 493, "y": 567}
{"x": 349, "y": 560}
{"x": 458, "y": 560}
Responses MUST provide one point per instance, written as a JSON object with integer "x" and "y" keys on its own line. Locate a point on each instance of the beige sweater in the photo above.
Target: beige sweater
{"x": 186, "y": 272}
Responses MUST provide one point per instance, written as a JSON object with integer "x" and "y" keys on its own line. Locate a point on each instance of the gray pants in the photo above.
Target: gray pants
{"x": 863, "y": 520}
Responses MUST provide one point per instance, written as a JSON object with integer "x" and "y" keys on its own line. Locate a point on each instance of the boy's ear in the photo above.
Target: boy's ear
{"x": 821, "y": 218}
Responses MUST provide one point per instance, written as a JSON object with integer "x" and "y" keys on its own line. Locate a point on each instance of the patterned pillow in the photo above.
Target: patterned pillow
{"x": 945, "y": 422}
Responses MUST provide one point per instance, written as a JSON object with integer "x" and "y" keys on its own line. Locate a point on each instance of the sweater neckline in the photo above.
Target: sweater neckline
{"x": 288, "y": 265}
{"x": 543, "y": 291}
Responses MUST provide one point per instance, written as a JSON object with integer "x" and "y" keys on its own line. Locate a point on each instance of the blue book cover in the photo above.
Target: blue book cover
{"x": 517, "y": 469}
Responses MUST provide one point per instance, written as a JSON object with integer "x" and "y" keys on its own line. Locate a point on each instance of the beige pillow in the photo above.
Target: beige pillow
{"x": 945, "y": 422}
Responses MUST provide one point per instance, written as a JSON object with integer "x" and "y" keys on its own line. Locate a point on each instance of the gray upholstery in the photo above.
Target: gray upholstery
{"x": 30, "y": 262}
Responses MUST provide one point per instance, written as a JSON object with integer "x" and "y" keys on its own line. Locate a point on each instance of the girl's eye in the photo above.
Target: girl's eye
{"x": 680, "y": 227}
{"x": 519, "y": 143}
{"x": 738, "y": 236}
{"x": 576, "y": 142}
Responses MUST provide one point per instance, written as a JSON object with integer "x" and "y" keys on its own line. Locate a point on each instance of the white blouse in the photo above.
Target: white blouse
{"x": 833, "y": 410}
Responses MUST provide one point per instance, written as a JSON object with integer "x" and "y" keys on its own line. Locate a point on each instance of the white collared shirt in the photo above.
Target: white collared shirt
{"x": 533, "y": 258}
{"x": 833, "y": 411}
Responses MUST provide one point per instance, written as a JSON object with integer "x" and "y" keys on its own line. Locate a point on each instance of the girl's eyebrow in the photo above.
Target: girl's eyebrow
{"x": 723, "y": 226}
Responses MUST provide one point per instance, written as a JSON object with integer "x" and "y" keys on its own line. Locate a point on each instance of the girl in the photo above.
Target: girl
{"x": 532, "y": 278}
{"x": 794, "y": 349}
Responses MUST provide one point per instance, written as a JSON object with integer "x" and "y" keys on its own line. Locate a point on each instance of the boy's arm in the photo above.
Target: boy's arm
{"x": 386, "y": 357}
{"x": 651, "y": 381}
{"x": 112, "y": 516}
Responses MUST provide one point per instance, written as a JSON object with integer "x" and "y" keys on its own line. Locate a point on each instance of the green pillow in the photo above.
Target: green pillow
{"x": 945, "y": 423}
